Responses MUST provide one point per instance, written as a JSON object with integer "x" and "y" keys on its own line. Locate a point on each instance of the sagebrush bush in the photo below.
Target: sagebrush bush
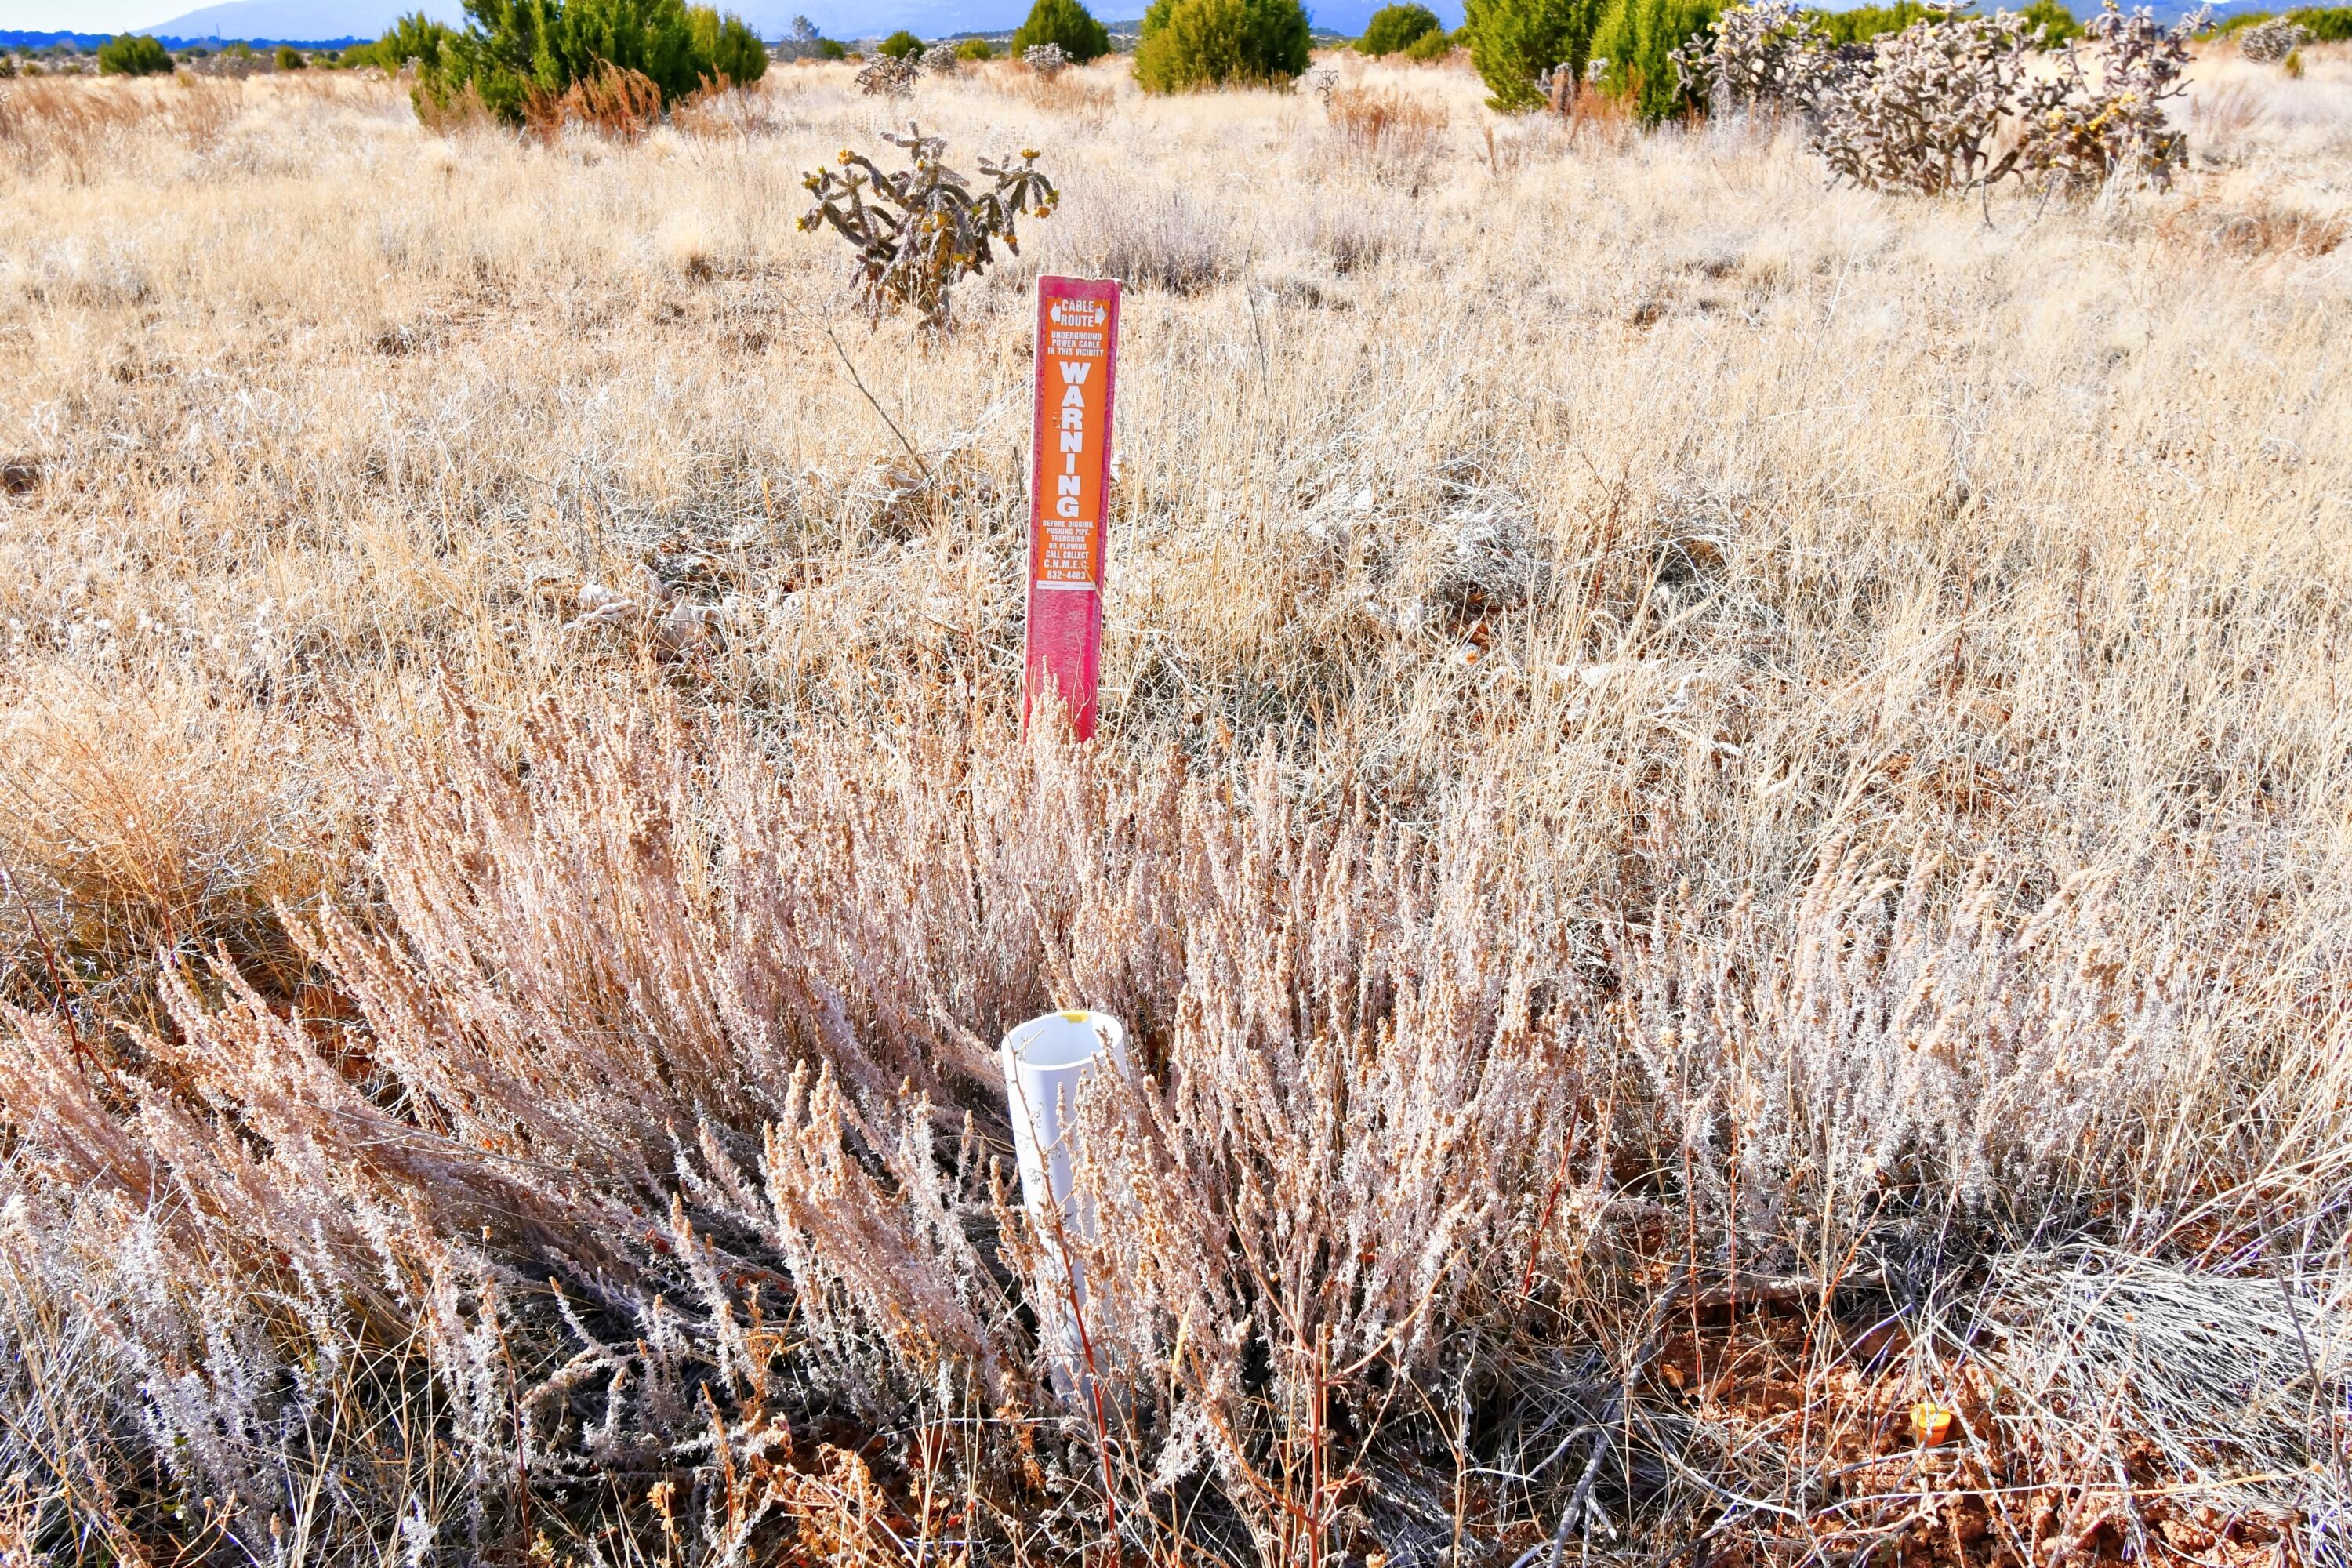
{"x": 1066, "y": 24}
{"x": 1188, "y": 45}
{"x": 1393, "y": 29}
{"x": 134, "y": 54}
{"x": 2270, "y": 42}
{"x": 1513, "y": 42}
{"x": 1635, "y": 51}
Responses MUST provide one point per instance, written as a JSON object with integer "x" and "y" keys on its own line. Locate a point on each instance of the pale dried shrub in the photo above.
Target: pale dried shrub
{"x": 1165, "y": 240}
{"x": 889, "y": 76}
{"x": 2081, "y": 127}
{"x": 1045, "y": 60}
{"x": 1929, "y": 111}
{"x": 1391, "y": 130}
{"x": 612, "y": 101}
{"x": 620, "y": 1090}
{"x": 1768, "y": 53}
{"x": 2270, "y": 42}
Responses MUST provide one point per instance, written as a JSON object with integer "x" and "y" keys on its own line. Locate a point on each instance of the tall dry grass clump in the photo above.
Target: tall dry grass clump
{"x": 1719, "y": 822}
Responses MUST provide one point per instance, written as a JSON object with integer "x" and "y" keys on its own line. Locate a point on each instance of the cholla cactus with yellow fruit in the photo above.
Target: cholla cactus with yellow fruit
{"x": 920, "y": 230}
{"x": 2082, "y": 127}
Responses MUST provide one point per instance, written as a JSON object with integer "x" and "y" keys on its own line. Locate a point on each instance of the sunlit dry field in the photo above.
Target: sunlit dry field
{"x": 1723, "y": 810}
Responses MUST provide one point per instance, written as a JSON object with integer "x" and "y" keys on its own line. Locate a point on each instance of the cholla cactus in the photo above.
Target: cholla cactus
{"x": 889, "y": 77}
{"x": 940, "y": 60}
{"x": 919, "y": 230}
{"x": 1927, "y": 113}
{"x": 2079, "y": 132}
{"x": 1047, "y": 59}
{"x": 2270, "y": 42}
{"x": 1769, "y": 53}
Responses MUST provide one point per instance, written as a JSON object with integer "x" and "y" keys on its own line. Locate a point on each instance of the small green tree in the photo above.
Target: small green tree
{"x": 902, "y": 45}
{"x": 975, "y": 50}
{"x": 288, "y": 58}
{"x": 1397, "y": 27}
{"x": 415, "y": 36}
{"x": 1192, "y": 44}
{"x": 1512, "y": 42}
{"x": 734, "y": 53}
{"x": 654, "y": 36}
{"x": 516, "y": 52}
{"x": 833, "y": 48}
{"x": 134, "y": 54}
{"x": 1066, "y": 23}
{"x": 1431, "y": 48}
{"x": 1636, "y": 42}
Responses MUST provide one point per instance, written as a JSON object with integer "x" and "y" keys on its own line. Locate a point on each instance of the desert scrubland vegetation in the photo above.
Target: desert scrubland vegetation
{"x": 1721, "y": 821}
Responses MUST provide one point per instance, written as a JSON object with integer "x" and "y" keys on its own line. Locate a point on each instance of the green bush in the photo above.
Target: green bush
{"x": 833, "y": 48}
{"x": 2056, "y": 22}
{"x": 1397, "y": 27}
{"x": 1066, "y": 23}
{"x": 1431, "y": 48}
{"x": 975, "y": 50}
{"x": 1864, "y": 23}
{"x": 1637, "y": 38}
{"x": 134, "y": 54}
{"x": 288, "y": 58}
{"x": 513, "y": 49}
{"x": 2327, "y": 25}
{"x": 902, "y": 45}
{"x": 735, "y": 53}
{"x": 416, "y": 37}
{"x": 1512, "y": 42}
{"x": 1192, "y": 44}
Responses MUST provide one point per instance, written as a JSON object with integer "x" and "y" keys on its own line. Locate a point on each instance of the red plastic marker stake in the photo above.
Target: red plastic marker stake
{"x": 1069, "y": 494}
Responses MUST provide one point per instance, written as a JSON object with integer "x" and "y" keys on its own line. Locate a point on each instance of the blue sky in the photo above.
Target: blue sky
{"x": 84, "y": 16}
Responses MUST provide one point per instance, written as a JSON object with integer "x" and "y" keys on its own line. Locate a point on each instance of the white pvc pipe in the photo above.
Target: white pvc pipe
{"x": 1044, "y": 1060}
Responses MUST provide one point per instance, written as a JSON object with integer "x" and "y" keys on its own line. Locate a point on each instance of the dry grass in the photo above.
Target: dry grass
{"x": 1720, "y": 809}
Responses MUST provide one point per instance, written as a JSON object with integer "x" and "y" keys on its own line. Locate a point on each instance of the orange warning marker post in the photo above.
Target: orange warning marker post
{"x": 1069, "y": 494}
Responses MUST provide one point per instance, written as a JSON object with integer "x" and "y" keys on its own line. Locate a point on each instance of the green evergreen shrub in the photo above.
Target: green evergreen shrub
{"x": 735, "y": 53}
{"x": 416, "y": 37}
{"x": 833, "y": 48}
{"x": 1637, "y": 39}
{"x": 1066, "y": 23}
{"x": 1394, "y": 28}
{"x": 1192, "y": 44}
{"x": 1512, "y": 42}
{"x": 975, "y": 50}
{"x": 1431, "y": 48}
{"x": 2327, "y": 25}
{"x": 1864, "y": 23}
{"x": 288, "y": 58}
{"x": 902, "y": 45}
{"x": 134, "y": 54}
{"x": 516, "y": 52}
{"x": 2056, "y": 22}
